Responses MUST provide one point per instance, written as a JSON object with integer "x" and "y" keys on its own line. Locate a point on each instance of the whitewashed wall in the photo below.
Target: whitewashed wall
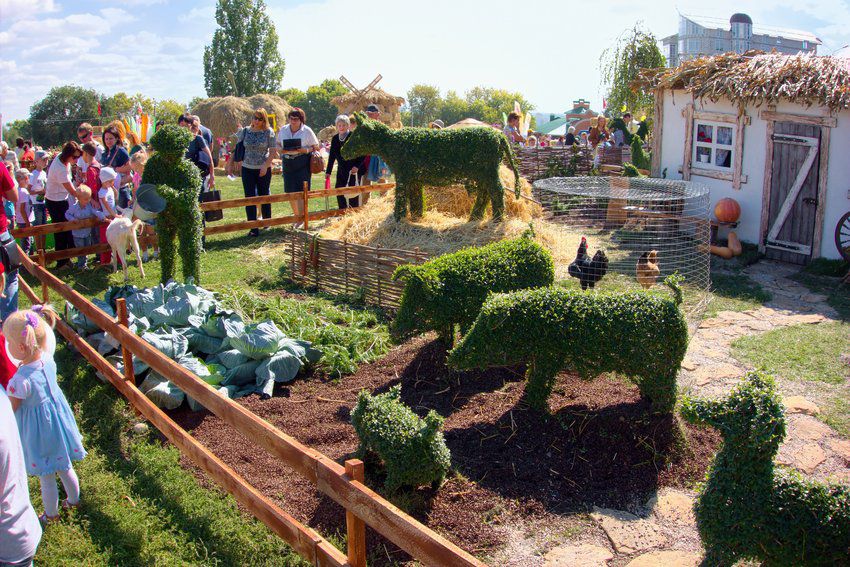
{"x": 750, "y": 194}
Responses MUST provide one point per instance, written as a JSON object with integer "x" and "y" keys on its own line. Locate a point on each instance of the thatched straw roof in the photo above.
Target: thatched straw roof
{"x": 224, "y": 114}
{"x": 759, "y": 78}
{"x": 468, "y": 123}
{"x": 389, "y": 105}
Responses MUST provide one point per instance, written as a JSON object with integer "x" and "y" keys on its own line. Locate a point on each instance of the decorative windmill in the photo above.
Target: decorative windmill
{"x": 359, "y": 94}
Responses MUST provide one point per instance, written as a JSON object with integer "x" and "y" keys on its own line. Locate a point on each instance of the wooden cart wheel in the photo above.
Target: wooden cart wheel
{"x": 842, "y": 236}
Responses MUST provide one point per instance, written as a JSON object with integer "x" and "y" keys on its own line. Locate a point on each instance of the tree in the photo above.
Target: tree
{"x": 55, "y": 118}
{"x": 425, "y": 103}
{"x": 317, "y": 103}
{"x": 295, "y": 97}
{"x": 243, "y": 58}
{"x": 453, "y": 108}
{"x": 634, "y": 50}
{"x": 488, "y": 104}
{"x": 17, "y": 129}
{"x": 167, "y": 111}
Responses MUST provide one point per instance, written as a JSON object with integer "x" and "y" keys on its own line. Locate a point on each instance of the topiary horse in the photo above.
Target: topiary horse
{"x": 420, "y": 157}
{"x": 750, "y": 509}
{"x": 179, "y": 183}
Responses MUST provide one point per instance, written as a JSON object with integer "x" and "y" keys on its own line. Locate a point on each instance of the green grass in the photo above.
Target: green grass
{"x": 799, "y": 352}
{"x": 139, "y": 506}
{"x": 734, "y": 292}
{"x": 837, "y": 294}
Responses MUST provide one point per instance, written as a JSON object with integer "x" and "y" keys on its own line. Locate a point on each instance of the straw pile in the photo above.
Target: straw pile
{"x": 445, "y": 228}
{"x": 389, "y": 105}
{"x": 326, "y": 133}
{"x": 454, "y": 201}
{"x": 759, "y": 78}
{"x": 224, "y": 114}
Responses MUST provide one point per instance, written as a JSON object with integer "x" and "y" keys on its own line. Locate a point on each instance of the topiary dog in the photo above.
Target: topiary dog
{"x": 421, "y": 156}
{"x": 179, "y": 183}
{"x": 749, "y": 508}
{"x": 413, "y": 449}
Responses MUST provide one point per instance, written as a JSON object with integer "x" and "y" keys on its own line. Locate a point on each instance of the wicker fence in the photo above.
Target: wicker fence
{"x": 538, "y": 163}
{"x": 344, "y": 268}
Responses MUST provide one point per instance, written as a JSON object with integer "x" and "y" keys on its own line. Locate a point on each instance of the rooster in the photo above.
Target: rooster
{"x": 647, "y": 269}
{"x": 588, "y": 271}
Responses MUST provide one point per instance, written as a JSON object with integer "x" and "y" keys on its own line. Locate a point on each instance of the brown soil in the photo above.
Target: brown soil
{"x": 598, "y": 447}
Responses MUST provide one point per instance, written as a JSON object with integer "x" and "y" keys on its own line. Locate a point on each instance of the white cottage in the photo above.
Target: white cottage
{"x": 772, "y": 132}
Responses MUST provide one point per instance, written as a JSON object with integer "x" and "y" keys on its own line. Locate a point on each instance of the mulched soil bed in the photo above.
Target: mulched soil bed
{"x": 599, "y": 446}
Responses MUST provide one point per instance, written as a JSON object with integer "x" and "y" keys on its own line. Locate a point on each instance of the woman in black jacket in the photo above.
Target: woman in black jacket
{"x": 346, "y": 169}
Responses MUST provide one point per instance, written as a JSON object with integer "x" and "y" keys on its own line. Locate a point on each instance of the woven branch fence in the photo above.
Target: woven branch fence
{"x": 540, "y": 163}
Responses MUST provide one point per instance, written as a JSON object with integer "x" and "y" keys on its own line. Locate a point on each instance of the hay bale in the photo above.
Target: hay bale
{"x": 326, "y": 133}
{"x": 390, "y": 105}
{"x": 225, "y": 114}
{"x": 455, "y": 201}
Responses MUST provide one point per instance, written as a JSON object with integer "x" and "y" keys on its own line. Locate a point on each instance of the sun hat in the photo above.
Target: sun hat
{"x": 373, "y": 108}
{"x": 22, "y": 172}
{"x": 107, "y": 174}
{"x": 437, "y": 124}
{"x": 41, "y": 154}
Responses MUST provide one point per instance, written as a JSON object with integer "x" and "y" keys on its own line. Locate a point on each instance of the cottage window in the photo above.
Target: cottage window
{"x": 714, "y": 144}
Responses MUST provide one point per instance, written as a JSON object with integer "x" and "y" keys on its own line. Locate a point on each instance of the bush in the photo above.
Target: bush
{"x": 639, "y": 335}
{"x": 450, "y": 289}
{"x": 640, "y": 158}
{"x": 748, "y": 508}
{"x": 413, "y": 449}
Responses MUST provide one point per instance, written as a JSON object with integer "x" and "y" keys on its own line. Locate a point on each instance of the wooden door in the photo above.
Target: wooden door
{"x": 793, "y": 200}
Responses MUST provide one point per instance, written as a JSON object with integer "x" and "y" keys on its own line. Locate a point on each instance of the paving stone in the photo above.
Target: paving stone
{"x": 584, "y": 554}
{"x": 807, "y": 319}
{"x": 813, "y": 298}
{"x": 799, "y": 404}
{"x": 714, "y": 353}
{"x": 628, "y": 533}
{"x": 689, "y": 364}
{"x": 673, "y": 506}
{"x": 808, "y": 457}
{"x": 758, "y": 325}
{"x": 713, "y": 323}
{"x": 807, "y": 428}
{"x": 669, "y": 558}
{"x": 719, "y": 371}
{"x": 841, "y": 447}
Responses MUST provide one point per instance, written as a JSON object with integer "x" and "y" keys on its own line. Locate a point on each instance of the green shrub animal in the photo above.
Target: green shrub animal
{"x": 450, "y": 289}
{"x": 642, "y": 336}
{"x": 421, "y": 156}
{"x": 749, "y": 508}
{"x": 179, "y": 183}
{"x": 413, "y": 449}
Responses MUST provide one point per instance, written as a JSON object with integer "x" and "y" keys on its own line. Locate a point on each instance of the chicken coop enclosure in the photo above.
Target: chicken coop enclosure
{"x": 647, "y": 228}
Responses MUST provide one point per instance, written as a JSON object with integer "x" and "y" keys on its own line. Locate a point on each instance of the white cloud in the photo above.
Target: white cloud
{"x": 118, "y": 15}
{"x": 17, "y": 9}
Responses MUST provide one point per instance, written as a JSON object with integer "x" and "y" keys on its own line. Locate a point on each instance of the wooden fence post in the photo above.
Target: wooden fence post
{"x": 45, "y": 291}
{"x": 127, "y": 356}
{"x": 378, "y": 271}
{"x": 355, "y": 527}
{"x": 306, "y": 204}
{"x": 292, "y": 247}
{"x": 345, "y": 264}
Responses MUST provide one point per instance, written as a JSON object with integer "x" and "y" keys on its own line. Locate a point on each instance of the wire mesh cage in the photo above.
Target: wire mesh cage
{"x": 648, "y": 229}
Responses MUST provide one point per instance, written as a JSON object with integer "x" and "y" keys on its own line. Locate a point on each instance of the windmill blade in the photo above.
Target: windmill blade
{"x": 347, "y": 83}
{"x": 374, "y": 82}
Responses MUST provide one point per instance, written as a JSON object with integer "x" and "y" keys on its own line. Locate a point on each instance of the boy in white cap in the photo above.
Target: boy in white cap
{"x": 106, "y": 196}
{"x": 23, "y": 209}
{"x": 82, "y": 209}
{"x": 38, "y": 183}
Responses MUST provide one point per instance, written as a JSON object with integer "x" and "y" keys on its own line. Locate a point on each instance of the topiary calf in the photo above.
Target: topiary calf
{"x": 640, "y": 335}
{"x": 748, "y": 508}
{"x": 450, "y": 289}
{"x": 413, "y": 449}
{"x": 421, "y": 156}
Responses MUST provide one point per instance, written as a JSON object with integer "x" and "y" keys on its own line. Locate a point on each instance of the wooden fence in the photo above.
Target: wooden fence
{"x": 342, "y": 484}
{"x": 538, "y": 163}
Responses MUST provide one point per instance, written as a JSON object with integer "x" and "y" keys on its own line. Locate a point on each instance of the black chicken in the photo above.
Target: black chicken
{"x": 588, "y": 271}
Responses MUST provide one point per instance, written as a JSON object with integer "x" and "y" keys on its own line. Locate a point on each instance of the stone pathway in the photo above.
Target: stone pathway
{"x": 663, "y": 532}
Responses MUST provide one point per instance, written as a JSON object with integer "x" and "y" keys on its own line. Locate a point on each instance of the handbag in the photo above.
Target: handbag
{"x": 317, "y": 162}
{"x": 239, "y": 150}
{"x": 10, "y": 255}
{"x": 208, "y": 196}
{"x": 355, "y": 194}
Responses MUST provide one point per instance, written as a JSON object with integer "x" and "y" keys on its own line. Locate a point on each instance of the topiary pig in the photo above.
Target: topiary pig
{"x": 637, "y": 334}
{"x": 751, "y": 509}
{"x": 421, "y": 156}
{"x": 450, "y": 289}
{"x": 179, "y": 183}
{"x": 413, "y": 449}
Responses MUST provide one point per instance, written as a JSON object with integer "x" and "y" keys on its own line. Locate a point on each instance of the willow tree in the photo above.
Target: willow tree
{"x": 243, "y": 58}
{"x": 634, "y": 50}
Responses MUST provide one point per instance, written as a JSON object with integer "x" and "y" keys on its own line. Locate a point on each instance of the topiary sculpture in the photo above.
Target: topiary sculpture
{"x": 421, "y": 156}
{"x": 750, "y": 509}
{"x": 179, "y": 183}
{"x": 450, "y": 289}
{"x": 642, "y": 336}
{"x": 640, "y": 158}
{"x": 413, "y": 449}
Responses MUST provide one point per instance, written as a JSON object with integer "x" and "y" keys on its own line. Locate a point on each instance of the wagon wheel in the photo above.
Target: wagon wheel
{"x": 842, "y": 236}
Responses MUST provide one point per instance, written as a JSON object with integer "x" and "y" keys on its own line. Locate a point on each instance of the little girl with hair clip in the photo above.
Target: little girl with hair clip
{"x": 49, "y": 433}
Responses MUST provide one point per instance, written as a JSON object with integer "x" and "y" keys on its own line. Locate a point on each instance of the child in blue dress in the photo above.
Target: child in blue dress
{"x": 48, "y": 430}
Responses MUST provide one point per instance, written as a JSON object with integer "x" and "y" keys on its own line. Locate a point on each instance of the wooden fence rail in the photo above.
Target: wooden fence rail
{"x": 329, "y": 477}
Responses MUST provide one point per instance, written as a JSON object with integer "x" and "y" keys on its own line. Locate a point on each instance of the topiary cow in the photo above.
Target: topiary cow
{"x": 749, "y": 508}
{"x": 179, "y": 183}
{"x": 450, "y": 289}
{"x": 421, "y": 156}
{"x": 637, "y": 334}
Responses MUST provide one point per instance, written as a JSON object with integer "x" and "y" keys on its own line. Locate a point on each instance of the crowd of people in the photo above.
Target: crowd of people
{"x": 596, "y": 136}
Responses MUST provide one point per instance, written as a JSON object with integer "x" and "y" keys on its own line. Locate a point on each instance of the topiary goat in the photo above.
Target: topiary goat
{"x": 749, "y": 508}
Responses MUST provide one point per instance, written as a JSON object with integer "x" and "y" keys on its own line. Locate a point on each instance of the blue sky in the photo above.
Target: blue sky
{"x": 547, "y": 50}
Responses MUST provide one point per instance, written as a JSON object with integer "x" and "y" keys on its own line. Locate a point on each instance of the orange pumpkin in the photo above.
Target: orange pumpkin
{"x": 727, "y": 210}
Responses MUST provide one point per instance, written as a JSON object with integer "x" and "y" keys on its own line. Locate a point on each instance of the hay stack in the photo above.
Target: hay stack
{"x": 224, "y": 114}
{"x": 456, "y": 202}
{"x": 388, "y": 104}
{"x": 326, "y": 133}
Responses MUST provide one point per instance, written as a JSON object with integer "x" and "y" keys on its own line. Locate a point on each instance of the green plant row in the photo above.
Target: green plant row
{"x": 450, "y": 289}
